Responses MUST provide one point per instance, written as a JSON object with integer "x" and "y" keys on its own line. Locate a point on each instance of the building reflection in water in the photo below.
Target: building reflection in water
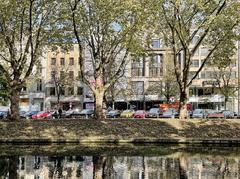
{"x": 116, "y": 167}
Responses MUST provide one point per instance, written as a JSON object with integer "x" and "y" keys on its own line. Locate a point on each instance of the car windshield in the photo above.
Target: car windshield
{"x": 154, "y": 110}
{"x": 114, "y": 111}
{"x": 126, "y": 111}
{"x": 140, "y": 111}
{"x": 86, "y": 111}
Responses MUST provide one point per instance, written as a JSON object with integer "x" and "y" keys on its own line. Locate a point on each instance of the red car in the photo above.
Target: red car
{"x": 139, "y": 114}
{"x": 215, "y": 114}
{"x": 41, "y": 115}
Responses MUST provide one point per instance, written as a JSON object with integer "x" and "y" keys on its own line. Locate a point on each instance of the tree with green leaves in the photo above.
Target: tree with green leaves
{"x": 25, "y": 27}
{"x": 4, "y": 90}
{"x": 108, "y": 31}
{"x": 185, "y": 25}
{"x": 223, "y": 63}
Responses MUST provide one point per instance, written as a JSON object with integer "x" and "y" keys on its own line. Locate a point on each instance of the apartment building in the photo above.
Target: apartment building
{"x": 62, "y": 78}
{"x": 148, "y": 71}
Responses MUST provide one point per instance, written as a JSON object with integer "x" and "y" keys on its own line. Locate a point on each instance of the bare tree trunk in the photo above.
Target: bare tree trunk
{"x": 14, "y": 107}
{"x": 183, "y": 113}
{"x": 99, "y": 113}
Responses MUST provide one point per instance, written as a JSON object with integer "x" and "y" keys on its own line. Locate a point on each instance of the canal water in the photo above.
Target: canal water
{"x": 119, "y": 161}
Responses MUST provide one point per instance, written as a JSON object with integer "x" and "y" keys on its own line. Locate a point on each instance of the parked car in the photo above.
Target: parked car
{"x": 3, "y": 114}
{"x": 228, "y": 114}
{"x": 42, "y": 115}
{"x": 87, "y": 113}
{"x": 153, "y": 112}
{"x": 127, "y": 113}
{"x": 170, "y": 113}
{"x": 28, "y": 115}
{"x": 113, "y": 114}
{"x": 201, "y": 113}
{"x": 215, "y": 114}
{"x": 22, "y": 114}
{"x": 139, "y": 114}
{"x": 72, "y": 113}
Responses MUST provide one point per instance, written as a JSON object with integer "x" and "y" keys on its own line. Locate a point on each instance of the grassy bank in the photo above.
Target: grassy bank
{"x": 122, "y": 131}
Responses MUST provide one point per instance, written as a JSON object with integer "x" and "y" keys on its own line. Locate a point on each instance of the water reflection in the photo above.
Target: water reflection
{"x": 120, "y": 167}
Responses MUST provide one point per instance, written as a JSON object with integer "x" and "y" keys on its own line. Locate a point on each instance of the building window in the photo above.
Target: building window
{"x": 71, "y": 61}
{"x": 155, "y": 66}
{"x": 155, "y": 87}
{"x": 204, "y": 52}
{"x": 62, "y": 61}
{"x": 191, "y": 74}
{"x": 137, "y": 67}
{"x": 71, "y": 75}
{"x": 39, "y": 85}
{"x": 70, "y": 90}
{"x": 79, "y": 91}
{"x": 52, "y": 91}
{"x": 53, "y": 61}
{"x": 207, "y": 75}
{"x": 53, "y": 75}
{"x": 62, "y": 75}
{"x": 138, "y": 87}
{"x": 155, "y": 43}
{"x": 62, "y": 91}
{"x": 233, "y": 75}
{"x": 195, "y": 63}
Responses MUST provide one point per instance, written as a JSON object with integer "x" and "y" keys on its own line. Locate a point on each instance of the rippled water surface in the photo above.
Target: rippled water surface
{"x": 119, "y": 162}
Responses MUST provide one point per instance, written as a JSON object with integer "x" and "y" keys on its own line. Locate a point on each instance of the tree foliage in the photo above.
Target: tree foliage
{"x": 25, "y": 26}
{"x": 187, "y": 25}
{"x": 110, "y": 31}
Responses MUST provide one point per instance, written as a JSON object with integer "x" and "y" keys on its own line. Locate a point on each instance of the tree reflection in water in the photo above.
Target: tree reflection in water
{"x": 120, "y": 167}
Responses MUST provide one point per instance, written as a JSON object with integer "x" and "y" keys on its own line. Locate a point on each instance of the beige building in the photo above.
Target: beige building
{"x": 62, "y": 78}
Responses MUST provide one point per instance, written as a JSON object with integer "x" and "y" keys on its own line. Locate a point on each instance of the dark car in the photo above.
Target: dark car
{"x": 87, "y": 113}
{"x": 3, "y": 114}
{"x": 113, "y": 114}
{"x": 153, "y": 112}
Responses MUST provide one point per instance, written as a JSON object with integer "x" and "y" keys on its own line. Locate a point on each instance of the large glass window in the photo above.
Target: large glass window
{"x": 155, "y": 66}
{"x": 156, "y": 43}
{"x": 195, "y": 63}
{"x": 137, "y": 67}
{"x": 138, "y": 87}
{"x": 204, "y": 52}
